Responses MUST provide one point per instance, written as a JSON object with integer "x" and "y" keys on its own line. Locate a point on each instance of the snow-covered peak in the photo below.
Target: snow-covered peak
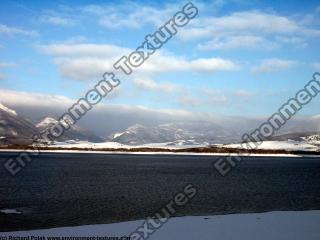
{"x": 313, "y": 138}
{"x": 135, "y": 127}
{"x": 8, "y": 110}
{"x": 46, "y": 122}
{"x": 116, "y": 135}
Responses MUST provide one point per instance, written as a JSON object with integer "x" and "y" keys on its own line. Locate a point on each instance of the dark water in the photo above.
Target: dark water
{"x": 76, "y": 189}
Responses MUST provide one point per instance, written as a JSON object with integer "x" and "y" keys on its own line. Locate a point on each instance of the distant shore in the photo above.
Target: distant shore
{"x": 210, "y": 150}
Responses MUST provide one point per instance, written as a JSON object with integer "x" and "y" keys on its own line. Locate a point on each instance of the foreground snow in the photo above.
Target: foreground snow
{"x": 263, "y": 226}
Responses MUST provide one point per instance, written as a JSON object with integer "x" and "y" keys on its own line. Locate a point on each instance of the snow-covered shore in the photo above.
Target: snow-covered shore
{"x": 284, "y": 225}
{"x": 115, "y": 151}
{"x": 288, "y": 145}
{"x": 278, "y": 145}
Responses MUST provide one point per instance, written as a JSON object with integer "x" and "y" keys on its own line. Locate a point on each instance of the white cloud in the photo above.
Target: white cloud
{"x": 235, "y": 42}
{"x": 33, "y": 99}
{"x": 84, "y": 50}
{"x": 243, "y": 93}
{"x": 247, "y": 29}
{"x": 238, "y": 22}
{"x": 88, "y": 61}
{"x": 57, "y": 20}
{"x": 189, "y": 100}
{"x": 151, "y": 85}
{"x": 214, "y": 97}
{"x": 10, "y": 31}
{"x": 130, "y": 14}
{"x": 273, "y": 65}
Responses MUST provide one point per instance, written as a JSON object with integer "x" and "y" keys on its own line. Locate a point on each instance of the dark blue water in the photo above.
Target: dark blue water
{"x": 77, "y": 189}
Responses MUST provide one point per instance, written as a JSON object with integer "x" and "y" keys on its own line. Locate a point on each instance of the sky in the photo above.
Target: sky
{"x": 235, "y": 58}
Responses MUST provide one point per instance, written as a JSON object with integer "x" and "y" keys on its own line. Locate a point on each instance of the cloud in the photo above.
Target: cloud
{"x": 33, "y": 99}
{"x": 88, "y": 61}
{"x": 56, "y": 20}
{"x": 10, "y": 31}
{"x": 236, "y": 42}
{"x": 151, "y": 85}
{"x": 214, "y": 97}
{"x": 273, "y": 65}
{"x": 248, "y": 21}
{"x": 130, "y": 14}
{"x": 247, "y": 29}
{"x": 243, "y": 93}
{"x": 190, "y": 101}
{"x": 84, "y": 50}
{"x": 107, "y": 118}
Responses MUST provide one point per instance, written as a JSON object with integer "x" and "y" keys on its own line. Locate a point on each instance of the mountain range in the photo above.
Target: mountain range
{"x": 15, "y": 129}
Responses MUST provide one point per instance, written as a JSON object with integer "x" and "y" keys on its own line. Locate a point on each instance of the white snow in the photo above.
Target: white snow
{"x": 313, "y": 139}
{"x": 117, "y": 135}
{"x": 170, "y": 153}
{"x": 286, "y": 225}
{"x": 8, "y": 110}
{"x": 279, "y": 145}
{"x": 269, "y": 145}
{"x": 46, "y": 121}
{"x": 10, "y": 211}
{"x": 86, "y": 144}
{"x": 116, "y": 145}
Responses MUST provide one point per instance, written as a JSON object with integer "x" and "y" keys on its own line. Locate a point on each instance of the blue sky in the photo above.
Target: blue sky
{"x": 236, "y": 58}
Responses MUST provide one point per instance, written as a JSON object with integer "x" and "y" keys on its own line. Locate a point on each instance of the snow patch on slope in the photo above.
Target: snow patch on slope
{"x": 46, "y": 122}
{"x": 8, "y": 110}
{"x": 314, "y": 139}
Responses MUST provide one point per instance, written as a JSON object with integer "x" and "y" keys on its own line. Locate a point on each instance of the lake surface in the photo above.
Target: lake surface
{"x": 59, "y": 189}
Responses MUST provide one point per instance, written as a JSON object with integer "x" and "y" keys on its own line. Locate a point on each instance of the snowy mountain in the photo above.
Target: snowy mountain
{"x": 14, "y": 129}
{"x": 313, "y": 138}
{"x": 73, "y": 133}
{"x": 174, "y": 134}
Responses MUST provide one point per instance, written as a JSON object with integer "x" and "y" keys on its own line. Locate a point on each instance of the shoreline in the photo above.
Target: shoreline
{"x": 173, "y": 152}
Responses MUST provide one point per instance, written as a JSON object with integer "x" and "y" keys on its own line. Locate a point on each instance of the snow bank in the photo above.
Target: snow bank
{"x": 263, "y": 226}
